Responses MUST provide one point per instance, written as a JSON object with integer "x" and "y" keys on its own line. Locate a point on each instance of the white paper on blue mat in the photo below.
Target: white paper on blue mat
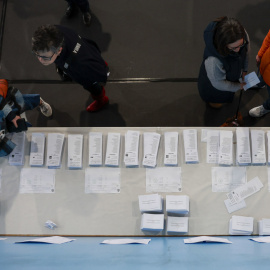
{"x": 126, "y": 241}
{"x": 261, "y": 239}
{"x": 201, "y": 239}
{"x": 49, "y": 240}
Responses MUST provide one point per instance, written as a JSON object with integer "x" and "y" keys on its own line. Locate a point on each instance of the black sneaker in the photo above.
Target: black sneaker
{"x": 87, "y": 18}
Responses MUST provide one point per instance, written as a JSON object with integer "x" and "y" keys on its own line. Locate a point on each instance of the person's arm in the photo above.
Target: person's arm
{"x": 217, "y": 76}
{"x": 264, "y": 47}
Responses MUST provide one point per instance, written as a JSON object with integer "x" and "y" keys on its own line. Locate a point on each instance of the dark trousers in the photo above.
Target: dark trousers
{"x": 83, "y": 5}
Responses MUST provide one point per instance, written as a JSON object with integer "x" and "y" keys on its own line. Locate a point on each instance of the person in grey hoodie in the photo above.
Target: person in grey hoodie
{"x": 225, "y": 61}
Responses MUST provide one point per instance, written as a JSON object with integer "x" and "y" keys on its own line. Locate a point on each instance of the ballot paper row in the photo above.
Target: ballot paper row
{"x": 250, "y": 146}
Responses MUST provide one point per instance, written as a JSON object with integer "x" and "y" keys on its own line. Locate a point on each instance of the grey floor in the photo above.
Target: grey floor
{"x": 154, "y": 50}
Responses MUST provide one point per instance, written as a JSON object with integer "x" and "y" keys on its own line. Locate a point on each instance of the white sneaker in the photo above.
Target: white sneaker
{"x": 45, "y": 108}
{"x": 258, "y": 111}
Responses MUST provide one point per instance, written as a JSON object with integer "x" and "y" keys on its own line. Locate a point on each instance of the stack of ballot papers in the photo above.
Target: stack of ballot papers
{"x": 243, "y": 153}
{"x": 37, "y": 149}
{"x": 264, "y": 226}
{"x": 150, "y": 148}
{"x": 131, "y": 157}
{"x": 240, "y": 225}
{"x": 225, "y": 157}
{"x": 152, "y": 222}
{"x": 212, "y": 150}
{"x": 200, "y": 239}
{"x": 95, "y": 148}
{"x": 177, "y": 224}
{"x": 177, "y": 204}
{"x": 113, "y": 149}
{"x": 16, "y": 157}
{"x": 191, "y": 146}
{"x": 258, "y": 147}
{"x": 151, "y": 203}
{"x": 75, "y": 147}
{"x": 171, "y": 148}
{"x": 54, "y": 150}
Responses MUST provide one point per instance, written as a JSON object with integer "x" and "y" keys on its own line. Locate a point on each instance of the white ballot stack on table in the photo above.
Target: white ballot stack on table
{"x": 225, "y": 148}
{"x": 177, "y": 204}
{"x": 264, "y": 226}
{"x": 150, "y": 148}
{"x": 191, "y": 146}
{"x": 151, "y": 203}
{"x": 171, "y": 148}
{"x": 212, "y": 146}
{"x": 258, "y": 147}
{"x": 113, "y": 149}
{"x": 16, "y": 157}
{"x": 243, "y": 153}
{"x": 152, "y": 222}
{"x": 75, "y": 147}
{"x": 240, "y": 225}
{"x": 177, "y": 224}
{"x": 131, "y": 157}
{"x": 37, "y": 149}
{"x": 54, "y": 150}
{"x": 95, "y": 148}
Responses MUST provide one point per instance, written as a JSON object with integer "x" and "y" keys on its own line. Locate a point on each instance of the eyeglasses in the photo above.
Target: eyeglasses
{"x": 44, "y": 58}
{"x": 238, "y": 47}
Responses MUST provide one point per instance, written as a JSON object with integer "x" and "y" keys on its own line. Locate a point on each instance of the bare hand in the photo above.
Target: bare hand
{"x": 14, "y": 121}
{"x": 258, "y": 60}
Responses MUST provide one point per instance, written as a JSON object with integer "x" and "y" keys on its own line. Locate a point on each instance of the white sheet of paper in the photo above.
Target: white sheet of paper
{"x": 150, "y": 203}
{"x": 251, "y": 79}
{"x": 113, "y": 149}
{"x": 258, "y": 147}
{"x": 2, "y": 239}
{"x": 16, "y": 157}
{"x": 152, "y": 222}
{"x": 264, "y": 226}
{"x": 95, "y": 148}
{"x": 200, "y": 239}
{"x": 171, "y": 148}
{"x": 37, "y": 180}
{"x": 234, "y": 207}
{"x": 75, "y": 147}
{"x": 124, "y": 241}
{"x": 1, "y": 171}
{"x": 241, "y": 225}
{"x": 225, "y": 148}
{"x": 265, "y": 239}
{"x": 163, "y": 179}
{"x": 37, "y": 149}
{"x": 212, "y": 150}
{"x": 191, "y": 146}
{"x": 49, "y": 240}
{"x": 243, "y": 153}
{"x": 150, "y": 148}
{"x": 177, "y": 224}
{"x": 132, "y": 140}
{"x": 177, "y": 204}
{"x": 226, "y": 179}
{"x": 102, "y": 180}
{"x": 54, "y": 149}
{"x": 242, "y": 192}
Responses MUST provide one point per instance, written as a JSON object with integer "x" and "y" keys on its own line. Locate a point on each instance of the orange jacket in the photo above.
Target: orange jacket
{"x": 3, "y": 87}
{"x": 264, "y": 54}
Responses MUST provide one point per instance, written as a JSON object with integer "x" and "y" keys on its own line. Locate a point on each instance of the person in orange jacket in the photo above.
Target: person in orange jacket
{"x": 263, "y": 60}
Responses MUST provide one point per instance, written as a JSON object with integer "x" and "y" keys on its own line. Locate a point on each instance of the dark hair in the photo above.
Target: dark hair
{"x": 47, "y": 38}
{"x": 227, "y": 30}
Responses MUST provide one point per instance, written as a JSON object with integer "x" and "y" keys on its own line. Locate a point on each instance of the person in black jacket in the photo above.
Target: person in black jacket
{"x": 76, "y": 58}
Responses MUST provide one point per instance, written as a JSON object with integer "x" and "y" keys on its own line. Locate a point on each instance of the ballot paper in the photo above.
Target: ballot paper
{"x": 151, "y": 203}
{"x": 268, "y": 170}
{"x": 150, "y": 148}
{"x": 124, "y": 241}
{"x": 16, "y": 157}
{"x": 190, "y": 146}
{"x": 240, "y": 225}
{"x": 226, "y": 179}
{"x": 258, "y": 147}
{"x": 250, "y": 79}
{"x": 2, "y": 239}
{"x": 113, "y": 149}
{"x": 54, "y": 150}
{"x": 242, "y": 192}
{"x": 177, "y": 204}
{"x": 234, "y": 207}
{"x": 243, "y": 153}
{"x": 163, "y": 179}
{"x": 75, "y": 147}
{"x": 131, "y": 157}
{"x": 200, "y": 239}
{"x": 37, "y": 180}
{"x": 48, "y": 240}
{"x": 102, "y": 180}
{"x": 95, "y": 148}
{"x": 268, "y": 143}
{"x": 177, "y": 224}
{"x": 37, "y": 149}
{"x": 261, "y": 239}
{"x": 264, "y": 226}
{"x": 225, "y": 148}
{"x": 212, "y": 146}
{"x": 152, "y": 222}
{"x": 1, "y": 171}
{"x": 171, "y": 148}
